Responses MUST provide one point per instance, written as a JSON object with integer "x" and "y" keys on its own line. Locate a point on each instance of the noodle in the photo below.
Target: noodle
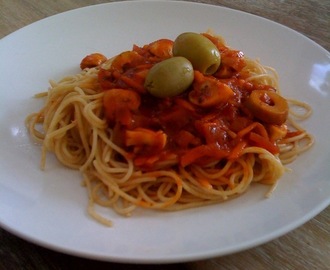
{"x": 72, "y": 124}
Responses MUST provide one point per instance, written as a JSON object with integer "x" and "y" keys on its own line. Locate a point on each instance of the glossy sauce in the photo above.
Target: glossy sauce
{"x": 176, "y": 128}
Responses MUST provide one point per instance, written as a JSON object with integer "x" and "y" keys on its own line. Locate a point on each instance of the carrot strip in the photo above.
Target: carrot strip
{"x": 133, "y": 84}
{"x": 237, "y": 151}
{"x": 255, "y": 125}
{"x": 204, "y": 183}
{"x": 209, "y": 150}
{"x": 263, "y": 143}
{"x": 185, "y": 104}
{"x": 293, "y": 134}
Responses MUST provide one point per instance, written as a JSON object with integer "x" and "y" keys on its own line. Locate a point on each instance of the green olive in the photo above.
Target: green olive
{"x": 199, "y": 50}
{"x": 169, "y": 77}
{"x": 268, "y": 106}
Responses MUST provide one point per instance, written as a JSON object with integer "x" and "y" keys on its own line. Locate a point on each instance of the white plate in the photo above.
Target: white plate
{"x": 49, "y": 208}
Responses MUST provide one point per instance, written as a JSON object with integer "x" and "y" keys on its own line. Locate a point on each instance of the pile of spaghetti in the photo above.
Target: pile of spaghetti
{"x": 203, "y": 145}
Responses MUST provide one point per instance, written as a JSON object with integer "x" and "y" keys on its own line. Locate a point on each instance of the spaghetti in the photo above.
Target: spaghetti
{"x": 169, "y": 153}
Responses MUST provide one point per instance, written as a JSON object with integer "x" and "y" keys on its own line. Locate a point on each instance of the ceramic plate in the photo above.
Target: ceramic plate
{"x": 49, "y": 207}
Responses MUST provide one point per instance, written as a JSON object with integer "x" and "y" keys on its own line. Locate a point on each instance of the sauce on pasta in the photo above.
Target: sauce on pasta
{"x": 204, "y": 145}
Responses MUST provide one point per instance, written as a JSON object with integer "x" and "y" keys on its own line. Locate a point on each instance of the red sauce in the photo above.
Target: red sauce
{"x": 153, "y": 130}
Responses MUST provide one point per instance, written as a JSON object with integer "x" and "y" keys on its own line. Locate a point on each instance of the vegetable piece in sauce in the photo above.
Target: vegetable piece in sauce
{"x": 199, "y": 50}
{"x": 208, "y": 91}
{"x": 169, "y": 77}
{"x": 268, "y": 106}
{"x": 161, "y": 48}
{"x": 119, "y": 105}
{"x": 92, "y": 60}
{"x": 145, "y": 141}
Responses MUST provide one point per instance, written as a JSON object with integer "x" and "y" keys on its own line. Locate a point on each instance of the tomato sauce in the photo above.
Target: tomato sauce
{"x": 189, "y": 128}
